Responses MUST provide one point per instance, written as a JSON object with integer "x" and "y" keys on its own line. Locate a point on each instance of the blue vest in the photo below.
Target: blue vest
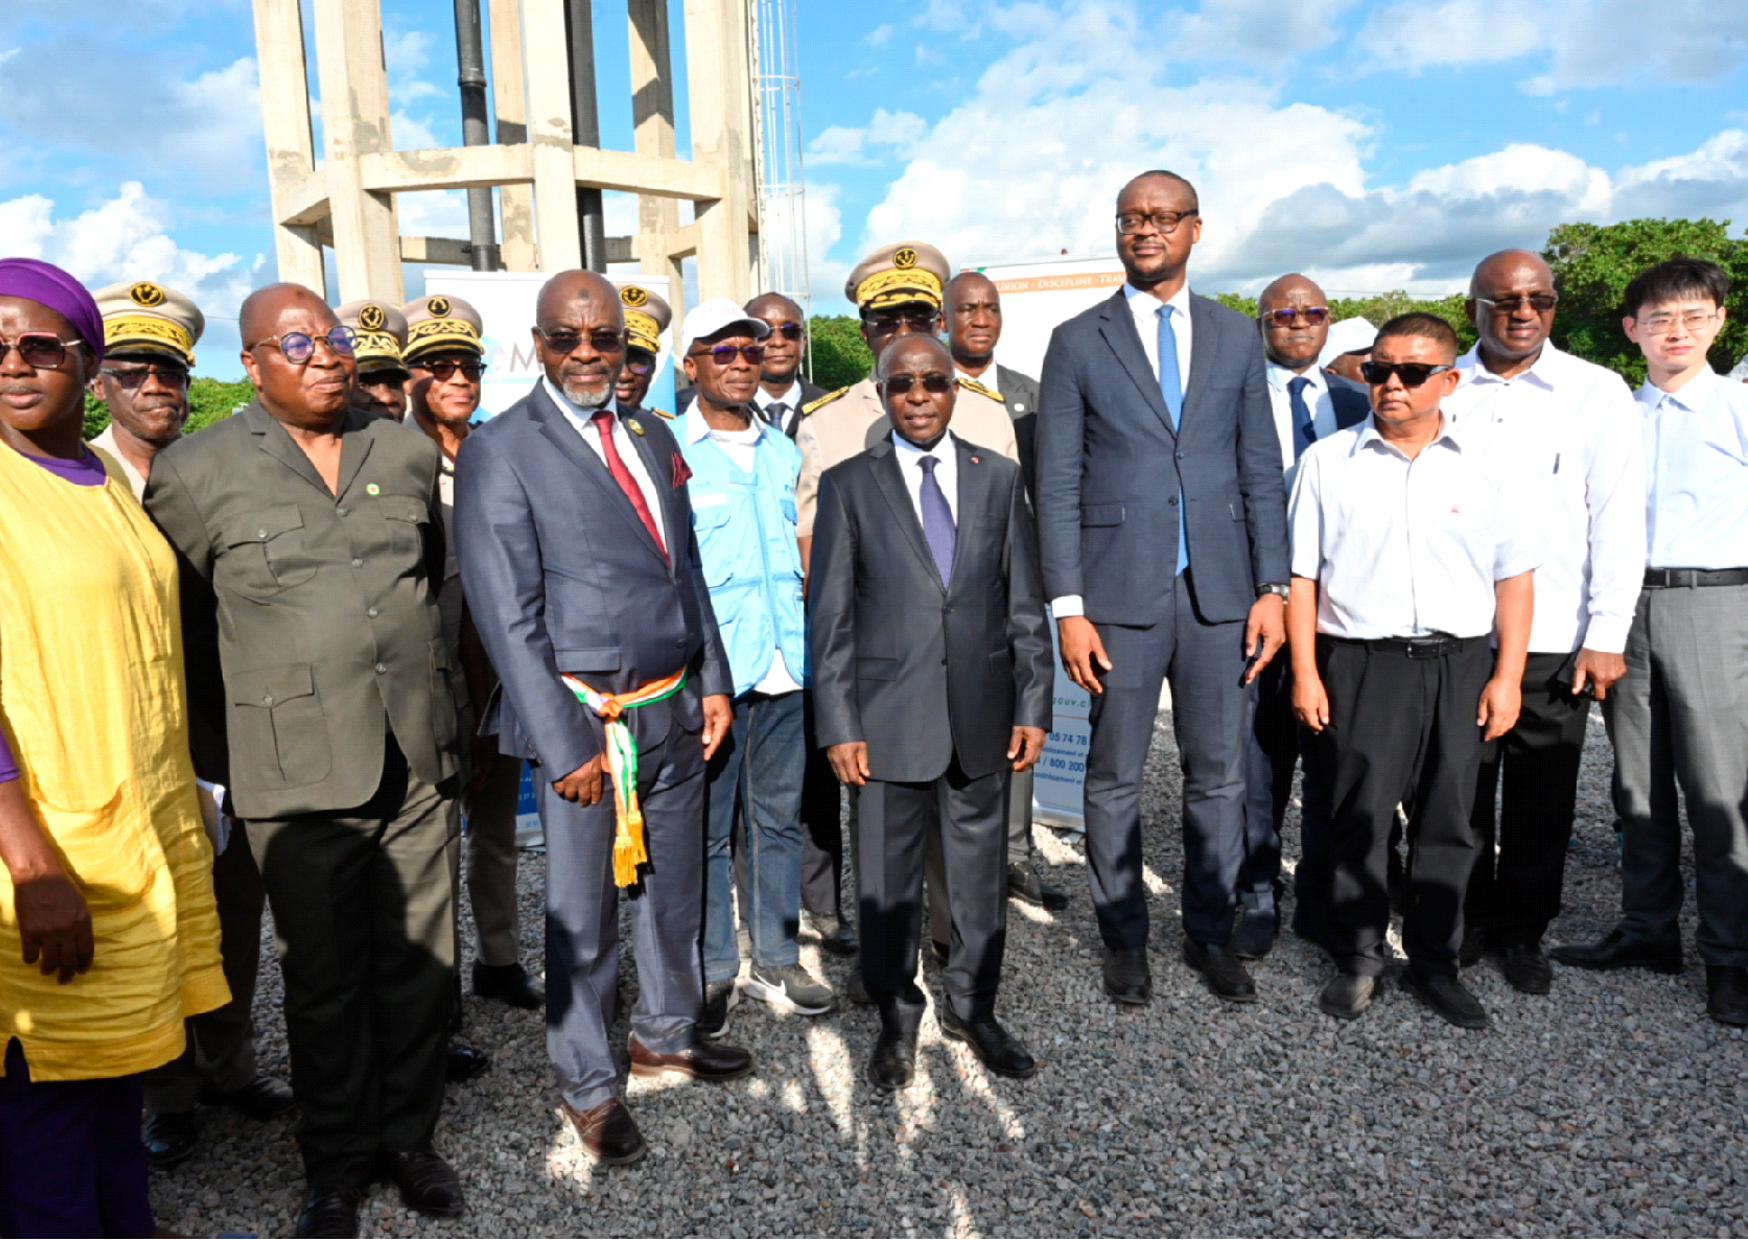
{"x": 745, "y": 524}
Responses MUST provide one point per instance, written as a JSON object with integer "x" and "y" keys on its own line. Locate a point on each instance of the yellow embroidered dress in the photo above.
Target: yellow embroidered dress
{"x": 94, "y": 706}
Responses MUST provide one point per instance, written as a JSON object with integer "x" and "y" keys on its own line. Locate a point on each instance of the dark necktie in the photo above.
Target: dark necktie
{"x": 1304, "y": 427}
{"x": 937, "y": 520}
{"x": 775, "y": 412}
{"x": 616, "y": 466}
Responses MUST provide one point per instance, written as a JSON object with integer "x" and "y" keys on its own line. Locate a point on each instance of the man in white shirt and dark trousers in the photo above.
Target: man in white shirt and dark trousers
{"x": 1679, "y": 717}
{"x": 1570, "y": 431}
{"x": 1407, "y": 551}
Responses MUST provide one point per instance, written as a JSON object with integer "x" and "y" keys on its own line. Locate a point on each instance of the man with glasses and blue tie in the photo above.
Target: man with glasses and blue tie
{"x": 1163, "y": 534}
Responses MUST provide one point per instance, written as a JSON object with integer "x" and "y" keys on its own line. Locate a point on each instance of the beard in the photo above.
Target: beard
{"x": 591, "y": 397}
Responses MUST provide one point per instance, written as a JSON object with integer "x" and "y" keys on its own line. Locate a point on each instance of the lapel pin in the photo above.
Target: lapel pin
{"x": 635, "y": 425}
{"x": 373, "y": 489}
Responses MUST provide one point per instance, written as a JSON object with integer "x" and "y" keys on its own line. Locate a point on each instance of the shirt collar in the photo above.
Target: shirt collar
{"x": 569, "y": 406}
{"x": 1545, "y": 370}
{"x": 1279, "y": 377}
{"x": 791, "y": 398}
{"x": 905, "y": 447}
{"x": 1368, "y": 434}
{"x": 697, "y": 430}
{"x": 1179, "y": 301}
{"x": 1697, "y": 391}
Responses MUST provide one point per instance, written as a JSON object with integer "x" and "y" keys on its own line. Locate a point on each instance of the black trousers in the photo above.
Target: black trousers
{"x": 1516, "y": 894}
{"x": 822, "y": 831}
{"x": 1397, "y": 724}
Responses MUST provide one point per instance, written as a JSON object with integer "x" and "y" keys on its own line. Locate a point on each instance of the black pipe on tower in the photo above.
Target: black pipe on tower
{"x": 475, "y": 130}
{"x": 579, "y": 35}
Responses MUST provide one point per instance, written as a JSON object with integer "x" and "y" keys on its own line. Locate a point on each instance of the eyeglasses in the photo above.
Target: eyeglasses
{"x": 1314, "y": 316}
{"x": 934, "y": 383}
{"x": 1412, "y": 374}
{"x": 723, "y": 354}
{"x": 444, "y": 370}
{"x": 604, "y": 340}
{"x": 919, "y": 320}
{"x": 1691, "y": 320}
{"x": 1132, "y": 223}
{"x": 639, "y": 362}
{"x": 131, "y": 377}
{"x": 1541, "y": 303}
{"x": 40, "y": 350}
{"x": 299, "y": 347}
{"x": 789, "y": 331}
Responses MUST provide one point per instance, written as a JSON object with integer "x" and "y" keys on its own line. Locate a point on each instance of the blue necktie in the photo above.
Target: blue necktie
{"x": 937, "y": 520}
{"x": 1304, "y": 428}
{"x": 1172, "y": 388}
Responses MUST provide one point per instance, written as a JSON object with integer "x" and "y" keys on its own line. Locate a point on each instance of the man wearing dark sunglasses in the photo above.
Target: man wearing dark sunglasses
{"x": 646, "y": 317}
{"x": 150, "y": 331}
{"x": 381, "y": 334}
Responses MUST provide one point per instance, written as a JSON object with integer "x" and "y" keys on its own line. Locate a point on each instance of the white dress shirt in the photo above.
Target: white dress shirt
{"x": 1145, "y": 307}
{"x": 910, "y": 464}
{"x": 1696, "y": 467}
{"x": 791, "y": 399}
{"x": 1317, "y": 400}
{"x": 1402, "y": 548}
{"x": 581, "y": 419}
{"x": 1569, "y": 430}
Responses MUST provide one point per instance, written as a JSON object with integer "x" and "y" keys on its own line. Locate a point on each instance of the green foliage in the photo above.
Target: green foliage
{"x": 208, "y": 401}
{"x": 1593, "y": 263}
{"x": 840, "y": 358}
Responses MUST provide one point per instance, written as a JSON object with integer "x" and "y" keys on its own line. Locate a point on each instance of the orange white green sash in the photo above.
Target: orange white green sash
{"x": 629, "y": 851}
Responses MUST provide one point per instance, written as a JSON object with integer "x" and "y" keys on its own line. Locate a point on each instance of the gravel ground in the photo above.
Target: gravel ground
{"x": 1612, "y": 1107}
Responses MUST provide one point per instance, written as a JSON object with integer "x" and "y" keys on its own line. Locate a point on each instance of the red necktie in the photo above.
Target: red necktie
{"x": 616, "y": 466}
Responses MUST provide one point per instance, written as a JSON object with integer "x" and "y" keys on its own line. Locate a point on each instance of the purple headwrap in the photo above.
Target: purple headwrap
{"x": 37, "y": 281}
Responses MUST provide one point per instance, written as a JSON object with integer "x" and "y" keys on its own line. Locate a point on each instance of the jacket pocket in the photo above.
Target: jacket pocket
{"x": 1101, "y": 514}
{"x": 279, "y": 726}
{"x": 408, "y": 520}
{"x": 587, "y": 659}
{"x": 267, "y": 551}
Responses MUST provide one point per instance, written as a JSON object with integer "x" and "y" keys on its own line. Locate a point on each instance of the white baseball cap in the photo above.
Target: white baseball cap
{"x": 710, "y": 317}
{"x": 1348, "y": 336}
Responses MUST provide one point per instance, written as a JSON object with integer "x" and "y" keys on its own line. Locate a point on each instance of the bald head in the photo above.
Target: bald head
{"x": 566, "y": 288}
{"x": 263, "y": 309}
{"x": 1509, "y": 267}
{"x": 766, "y": 304}
{"x": 579, "y": 332}
{"x": 1511, "y": 304}
{"x": 916, "y": 413}
{"x": 1293, "y": 316}
{"x": 895, "y": 357}
{"x": 308, "y": 394}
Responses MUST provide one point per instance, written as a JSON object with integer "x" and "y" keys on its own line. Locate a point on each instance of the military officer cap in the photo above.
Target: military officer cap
{"x": 141, "y": 318}
{"x": 442, "y": 324}
{"x": 646, "y": 318}
{"x": 894, "y": 274}
{"x": 381, "y": 332}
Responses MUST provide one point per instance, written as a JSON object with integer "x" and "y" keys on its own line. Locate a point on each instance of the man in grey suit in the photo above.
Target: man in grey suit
{"x": 1163, "y": 534}
{"x": 931, "y": 684}
{"x": 582, "y": 575}
{"x": 310, "y": 538}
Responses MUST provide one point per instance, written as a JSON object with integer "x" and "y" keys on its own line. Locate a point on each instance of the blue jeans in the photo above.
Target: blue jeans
{"x": 758, "y": 771}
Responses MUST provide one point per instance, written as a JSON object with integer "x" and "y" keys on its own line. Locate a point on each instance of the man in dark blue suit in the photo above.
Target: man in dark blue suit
{"x": 1293, "y": 321}
{"x": 574, "y": 531}
{"x": 1163, "y": 534}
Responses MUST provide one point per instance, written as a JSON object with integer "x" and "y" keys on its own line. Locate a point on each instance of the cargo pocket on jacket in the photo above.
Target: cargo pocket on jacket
{"x": 267, "y": 552}
{"x": 280, "y": 726}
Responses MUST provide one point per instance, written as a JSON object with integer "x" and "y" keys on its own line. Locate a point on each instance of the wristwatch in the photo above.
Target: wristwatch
{"x": 1279, "y": 591}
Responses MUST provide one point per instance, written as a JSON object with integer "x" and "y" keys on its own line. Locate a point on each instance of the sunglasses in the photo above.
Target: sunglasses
{"x": 444, "y": 370}
{"x": 638, "y": 362}
{"x": 1541, "y": 303}
{"x": 40, "y": 350}
{"x": 605, "y": 340}
{"x": 1412, "y": 374}
{"x": 131, "y": 377}
{"x": 789, "y": 331}
{"x": 723, "y": 354}
{"x": 299, "y": 347}
{"x": 920, "y": 320}
{"x": 1315, "y": 316}
{"x": 935, "y": 383}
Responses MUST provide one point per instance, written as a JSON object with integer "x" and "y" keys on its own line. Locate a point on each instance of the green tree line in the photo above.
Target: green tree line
{"x": 208, "y": 401}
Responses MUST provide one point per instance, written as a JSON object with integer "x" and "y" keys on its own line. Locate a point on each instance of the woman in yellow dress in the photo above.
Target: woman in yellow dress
{"x": 108, "y": 933}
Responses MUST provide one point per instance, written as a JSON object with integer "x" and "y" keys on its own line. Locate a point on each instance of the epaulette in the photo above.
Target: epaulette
{"x": 662, "y": 414}
{"x": 827, "y": 399}
{"x": 972, "y": 385}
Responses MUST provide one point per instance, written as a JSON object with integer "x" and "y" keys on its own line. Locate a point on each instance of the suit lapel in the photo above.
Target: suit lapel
{"x": 1204, "y": 343}
{"x": 661, "y": 474}
{"x": 278, "y": 444}
{"x": 1118, "y": 329}
{"x": 973, "y": 501}
{"x": 890, "y": 479}
{"x": 565, "y": 437}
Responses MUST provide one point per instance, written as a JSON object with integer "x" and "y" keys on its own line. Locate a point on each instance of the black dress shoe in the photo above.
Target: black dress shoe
{"x": 264, "y": 1098}
{"x": 1128, "y": 979}
{"x": 940, "y": 952}
{"x": 1526, "y": 967}
{"x": 1473, "y": 947}
{"x": 329, "y": 1212}
{"x": 608, "y": 1133}
{"x": 170, "y": 1137}
{"x": 1001, "y": 1052}
{"x": 1727, "y": 994}
{"x": 1448, "y": 998}
{"x": 1348, "y": 996}
{"x": 893, "y": 1063}
{"x": 508, "y": 982}
{"x": 836, "y": 936}
{"x": 1025, "y": 886}
{"x": 1221, "y": 968}
{"x": 464, "y": 1063}
{"x": 1617, "y": 951}
{"x": 702, "y": 1061}
{"x": 1254, "y": 936}
{"x": 427, "y": 1183}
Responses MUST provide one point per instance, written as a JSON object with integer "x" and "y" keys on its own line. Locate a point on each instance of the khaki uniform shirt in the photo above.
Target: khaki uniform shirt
{"x": 135, "y": 478}
{"x": 852, "y": 423}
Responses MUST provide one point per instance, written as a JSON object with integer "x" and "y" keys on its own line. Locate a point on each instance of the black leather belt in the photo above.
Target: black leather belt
{"x": 1689, "y": 578}
{"x": 1432, "y": 646}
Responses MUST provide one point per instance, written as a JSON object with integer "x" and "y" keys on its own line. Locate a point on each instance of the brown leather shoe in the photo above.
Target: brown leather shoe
{"x": 702, "y": 1061}
{"x": 608, "y": 1133}
{"x": 427, "y": 1183}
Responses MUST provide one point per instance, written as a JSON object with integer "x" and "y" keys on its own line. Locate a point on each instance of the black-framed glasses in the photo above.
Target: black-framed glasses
{"x": 40, "y": 350}
{"x": 920, "y": 320}
{"x": 1412, "y": 374}
{"x": 1134, "y": 223}
{"x": 1314, "y": 316}
{"x": 132, "y": 377}
{"x": 1541, "y": 303}
{"x": 299, "y": 347}
{"x": 789, "y": 331}
{"x": 443, "y": 371}
{"x": 935, "y": 383}
{"x": 723, "y": 354}
{"x": 602, "y": 340}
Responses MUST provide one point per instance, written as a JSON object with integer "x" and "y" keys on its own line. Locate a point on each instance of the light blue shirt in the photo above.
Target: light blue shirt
{"x": 1696, "y": 473}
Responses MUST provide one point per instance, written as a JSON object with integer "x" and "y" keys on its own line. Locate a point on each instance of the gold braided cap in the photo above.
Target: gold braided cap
{"x": 140, "y": 316}
{"x": 381, "y": 330}
{"x": 646, "y": 317}
{"x": 440, "y": 323}
{"x": 897, "y": 273}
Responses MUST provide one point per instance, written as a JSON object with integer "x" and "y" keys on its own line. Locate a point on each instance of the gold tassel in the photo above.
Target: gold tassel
{"x": 628, "y": 847}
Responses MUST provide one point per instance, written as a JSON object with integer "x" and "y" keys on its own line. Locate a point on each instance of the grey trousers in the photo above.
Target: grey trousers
{"x": 1679, "y": 719}
{"x": 1020, "y": 817}
{"x": 491, "y": 862}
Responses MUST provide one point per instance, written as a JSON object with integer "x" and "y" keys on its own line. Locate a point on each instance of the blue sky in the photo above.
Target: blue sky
{"x": 1378, "y": 145}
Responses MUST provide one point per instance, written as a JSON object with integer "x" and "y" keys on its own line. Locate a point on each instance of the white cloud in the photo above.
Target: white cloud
{"x": 838, "y": 144}
{"x": 1258, "y": 30}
